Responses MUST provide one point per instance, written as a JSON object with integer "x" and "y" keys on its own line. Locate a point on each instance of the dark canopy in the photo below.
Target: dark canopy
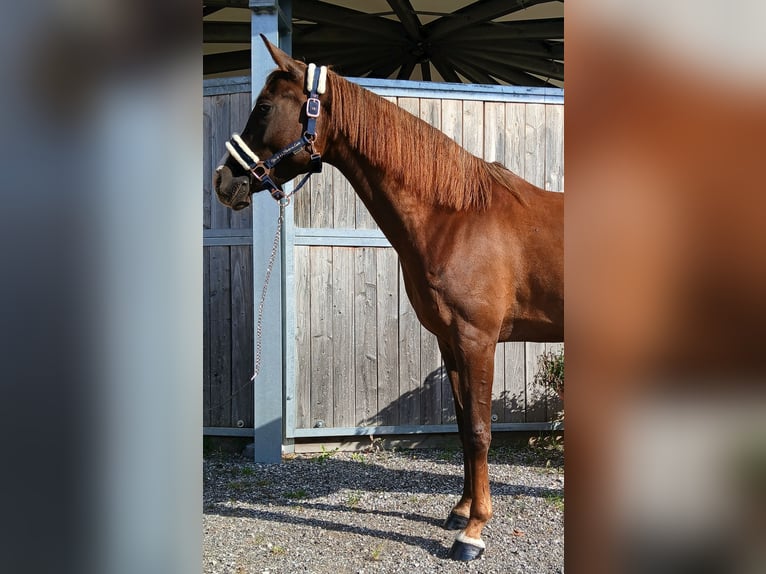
{"x": 518, "y": 42}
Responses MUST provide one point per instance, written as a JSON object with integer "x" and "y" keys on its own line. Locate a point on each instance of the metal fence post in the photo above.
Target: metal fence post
{"x": 269, "y": 18}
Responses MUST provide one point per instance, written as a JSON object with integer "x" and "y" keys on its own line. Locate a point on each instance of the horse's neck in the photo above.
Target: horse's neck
{"x": 400, "y": 214}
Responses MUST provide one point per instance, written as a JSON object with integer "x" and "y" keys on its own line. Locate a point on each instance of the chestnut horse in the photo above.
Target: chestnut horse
{"x": 481, "y": 249}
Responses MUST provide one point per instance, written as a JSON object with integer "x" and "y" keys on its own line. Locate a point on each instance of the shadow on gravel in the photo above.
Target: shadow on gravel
{"x": 430, "y": 545}
{"x": 222, "y": 510}
{"x": 311, "y": 478}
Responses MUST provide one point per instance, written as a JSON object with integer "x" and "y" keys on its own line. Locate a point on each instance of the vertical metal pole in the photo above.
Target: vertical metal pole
{"x": 288, "y": 272}
{"x": 268, "y": 395}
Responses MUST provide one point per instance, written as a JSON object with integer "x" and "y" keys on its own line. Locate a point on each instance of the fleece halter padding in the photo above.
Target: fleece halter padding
{"x": 244, "y": 148}
{"x": 321, "y": 85}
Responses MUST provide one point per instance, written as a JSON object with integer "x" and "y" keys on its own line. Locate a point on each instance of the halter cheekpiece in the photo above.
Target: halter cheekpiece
{"x": 316, "y": 84}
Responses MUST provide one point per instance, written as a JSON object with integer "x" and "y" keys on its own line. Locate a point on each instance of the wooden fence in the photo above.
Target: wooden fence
{"x": 227, "y": 298}
{"x": 361, "y": 358}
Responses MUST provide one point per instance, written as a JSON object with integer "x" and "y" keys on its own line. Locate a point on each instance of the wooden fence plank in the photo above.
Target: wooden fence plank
{"x": 536, "y": 396}
{"x": 302, "y": 398}
{"x": 344, "y": 201}
{"x": 242, "y": 360}
{"x": 448, "y": 416}
{"x": 410, "y": 385}
{"x": 365, "y": 336}
{"x": 515, "y": 132}
{"x": 363, "y": 218}
{"x": 207, "y": 161}
{"x": 321, "y": 336}
{"x": 220, "y": 124}
{"x": 515, "y": 383}
{"x": 220, "y": 343}
{"x": 344, "y": 375}
{"x": 433, "y": 379}
{"x": 534, "y": 140}
{"x": 388, "y": 336}
{"x": 555, "y": 404}
{"x": 494, "y": 131}
{"x": 207, "y": 328}
{"x": 412, "y": 105}
{"x": 322, "y": 199}
{"x": 554, "y": 147}
{"x": 302, "y": 205}
{"x": 498, "y": 385}
{"x": 473, "y": 127}
{"x": 452, "y": 119}
{"x": 431, "y": 112}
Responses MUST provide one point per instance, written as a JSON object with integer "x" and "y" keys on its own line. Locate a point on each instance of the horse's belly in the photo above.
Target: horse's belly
{"x": 533, "y": 326}
{"x": 535, "y": 315}
{"x": 539, "y": 330}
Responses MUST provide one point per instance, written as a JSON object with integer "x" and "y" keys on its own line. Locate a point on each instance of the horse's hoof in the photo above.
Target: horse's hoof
{"x": 455, "y": 522}
{"x": 466, "y": 549}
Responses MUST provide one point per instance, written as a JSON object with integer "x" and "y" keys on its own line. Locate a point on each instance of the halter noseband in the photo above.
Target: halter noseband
{"x": 316, "y": 84}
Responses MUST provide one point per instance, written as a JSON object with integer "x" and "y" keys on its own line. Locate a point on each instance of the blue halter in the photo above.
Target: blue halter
{"x": 316, "y": 84}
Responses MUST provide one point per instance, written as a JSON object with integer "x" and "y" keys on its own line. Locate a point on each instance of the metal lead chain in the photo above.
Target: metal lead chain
{"x": 262, "y": 303}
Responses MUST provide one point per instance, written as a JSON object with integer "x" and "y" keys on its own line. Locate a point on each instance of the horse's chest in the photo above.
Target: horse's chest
{"x": 426, "y": 299}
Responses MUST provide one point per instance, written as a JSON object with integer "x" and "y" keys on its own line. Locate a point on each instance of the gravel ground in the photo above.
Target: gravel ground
{"x": 378, "y": 512}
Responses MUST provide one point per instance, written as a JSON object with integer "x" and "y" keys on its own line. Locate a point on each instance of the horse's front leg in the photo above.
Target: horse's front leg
{"x": 475, "y": 368}
{"x": 461, "y": 512}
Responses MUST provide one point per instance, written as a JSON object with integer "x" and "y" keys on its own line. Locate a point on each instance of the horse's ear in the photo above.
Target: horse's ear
{"x": 281, "y": 59}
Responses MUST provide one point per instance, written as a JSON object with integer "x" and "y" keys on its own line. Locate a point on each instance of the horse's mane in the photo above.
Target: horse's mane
{"x": 391, "y": 137}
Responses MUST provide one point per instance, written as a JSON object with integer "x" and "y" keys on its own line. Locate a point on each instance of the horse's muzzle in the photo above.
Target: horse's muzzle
{"x": 233, "y": 192}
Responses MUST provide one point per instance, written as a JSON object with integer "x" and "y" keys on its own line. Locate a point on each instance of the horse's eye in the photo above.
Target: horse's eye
{"x": 263, "y": 108}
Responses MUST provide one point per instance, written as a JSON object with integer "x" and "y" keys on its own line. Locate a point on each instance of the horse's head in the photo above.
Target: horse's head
{"x": 277, "y": 143}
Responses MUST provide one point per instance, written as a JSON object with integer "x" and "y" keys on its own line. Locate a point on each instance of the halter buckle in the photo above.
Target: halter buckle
{"x": 312, "y": 107}
{"x": 260, "y": 172}
{"x": 315, "y": 163}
